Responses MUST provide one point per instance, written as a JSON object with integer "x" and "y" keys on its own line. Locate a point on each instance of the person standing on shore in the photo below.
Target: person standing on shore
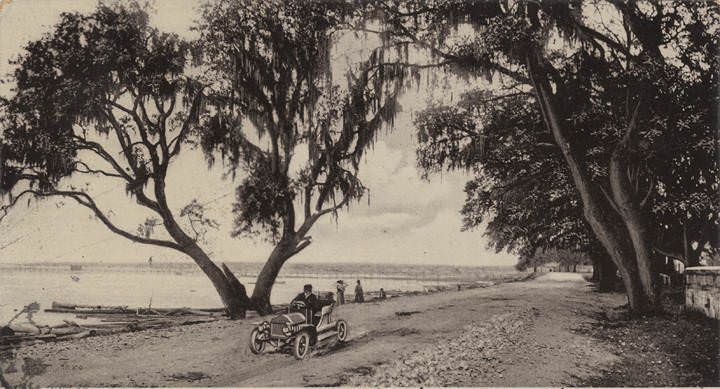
{"x": 359, "y": 296}
{"x": 340, "y": 292}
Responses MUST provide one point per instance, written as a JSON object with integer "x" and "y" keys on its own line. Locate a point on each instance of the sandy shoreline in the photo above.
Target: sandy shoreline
{"x": 80, "y": 321}
{"x": 513, "y": 334}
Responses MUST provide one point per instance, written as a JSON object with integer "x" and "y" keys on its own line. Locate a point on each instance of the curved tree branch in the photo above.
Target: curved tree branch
{"x": 88, "y": 170}
{"x": 174, "y": 145}
{"x": 85, "y": 200}
{"x": 102, "y": 153}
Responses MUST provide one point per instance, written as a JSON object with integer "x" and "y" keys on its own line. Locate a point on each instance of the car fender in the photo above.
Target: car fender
{"x": 311, "y": 330}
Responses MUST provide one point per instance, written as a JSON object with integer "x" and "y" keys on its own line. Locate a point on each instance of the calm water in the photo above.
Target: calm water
{"x": 137, "y": 289}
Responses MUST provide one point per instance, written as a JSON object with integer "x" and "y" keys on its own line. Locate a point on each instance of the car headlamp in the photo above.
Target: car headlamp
{"x": 264, "y": 326}
{"x": 286, "y": 329}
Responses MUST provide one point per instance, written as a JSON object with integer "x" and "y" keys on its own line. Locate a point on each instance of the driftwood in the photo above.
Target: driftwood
{"x": 87, "y": 311}
{"x": 65, "y": 330}
{"x": 113, "y": 320}
{"x": 124, "y": 310}
{"x": 58, "y": 305}
{"x": 79, "y": 335}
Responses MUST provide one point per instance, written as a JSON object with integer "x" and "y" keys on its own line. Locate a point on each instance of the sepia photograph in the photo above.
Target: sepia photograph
{"x": 365, "y": 193}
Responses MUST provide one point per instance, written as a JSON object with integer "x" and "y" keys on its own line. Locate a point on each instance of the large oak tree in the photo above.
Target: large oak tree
{"x": 293, "y": 134}
{"x": 521, "y": 193}
{"x": 107, "y": 94}
{"x": 637, "y": 72}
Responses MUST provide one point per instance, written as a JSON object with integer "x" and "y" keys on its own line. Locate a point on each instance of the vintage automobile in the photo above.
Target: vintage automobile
{"x": 299, "y": 329}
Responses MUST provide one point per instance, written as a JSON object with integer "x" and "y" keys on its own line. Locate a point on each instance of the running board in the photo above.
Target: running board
{"x": 326, "y": 335}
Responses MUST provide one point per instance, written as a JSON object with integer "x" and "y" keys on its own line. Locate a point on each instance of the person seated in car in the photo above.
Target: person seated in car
{"x": 310, "y": 300}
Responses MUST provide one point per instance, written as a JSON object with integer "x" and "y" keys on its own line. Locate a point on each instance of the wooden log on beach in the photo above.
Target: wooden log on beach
{"x": 26, "y": 328}
{"x": 149, "y": 312}
{"x": 79, "y": 335}
{"x": 116, "y": 320}
{"x": 117, "y": 310}
{"x": 71, "y": 323}
{"x": 110, "y": 330}
{"x": 59, "y": 305}
{"x": 71, "y": 330}
{"x": 198, "y": 320}
{"x": 87, "y": 311}
{"x": 15, "y": 339}
{"x": 46, "y": 337}
{"x": 66, "y": 331}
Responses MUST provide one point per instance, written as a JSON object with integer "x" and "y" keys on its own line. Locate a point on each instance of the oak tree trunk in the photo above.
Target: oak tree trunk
{"x": 260, "y": 299}
{"x": 232, "y": 299}
{"x": 234, "y": 303}
{"x": 608, "y": 226}
{"x": 595, "y": 272}
{"x": 612, "y": 233}
{"x": 607, "y": 274}
{"x": 630, "y": 209}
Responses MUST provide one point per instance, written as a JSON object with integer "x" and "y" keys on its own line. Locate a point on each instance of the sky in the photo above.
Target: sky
{"x": 405, "y": 219}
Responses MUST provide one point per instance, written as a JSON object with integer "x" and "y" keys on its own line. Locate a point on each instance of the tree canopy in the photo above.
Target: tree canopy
{"x": 294, "y": 134}
{"x": 108, "y": 94}
{"x": 99, "y": 75}
{"x": 619, "y": 96}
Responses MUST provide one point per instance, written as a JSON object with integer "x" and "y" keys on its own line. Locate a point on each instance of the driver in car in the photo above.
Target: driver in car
{"x": 309, "y": 299}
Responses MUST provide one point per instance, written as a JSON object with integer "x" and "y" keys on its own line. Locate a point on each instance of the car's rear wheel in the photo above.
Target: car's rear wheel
{"x": 257, "y": 344}
{"x": 342, "y": 330}
{"x": 302, "y": 345}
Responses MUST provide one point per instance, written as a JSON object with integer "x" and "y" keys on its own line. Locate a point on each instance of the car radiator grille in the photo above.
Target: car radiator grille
{"x": 276, "y": 329}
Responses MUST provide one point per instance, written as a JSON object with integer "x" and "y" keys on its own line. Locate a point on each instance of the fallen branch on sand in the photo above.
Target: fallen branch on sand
{"x": 113, "y": 320}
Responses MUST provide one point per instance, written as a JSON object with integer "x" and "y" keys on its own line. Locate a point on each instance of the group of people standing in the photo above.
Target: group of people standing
{"x": 359, "y": 294}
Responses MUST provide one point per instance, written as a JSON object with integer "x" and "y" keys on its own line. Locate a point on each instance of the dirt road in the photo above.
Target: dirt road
{"x": 514, "y": 334}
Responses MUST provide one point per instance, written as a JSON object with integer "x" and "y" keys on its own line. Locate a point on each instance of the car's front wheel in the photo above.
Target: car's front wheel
{"x": 302, "y": 345}
{"x": 257, "y": 344}
{"x": 342, "y": 330}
